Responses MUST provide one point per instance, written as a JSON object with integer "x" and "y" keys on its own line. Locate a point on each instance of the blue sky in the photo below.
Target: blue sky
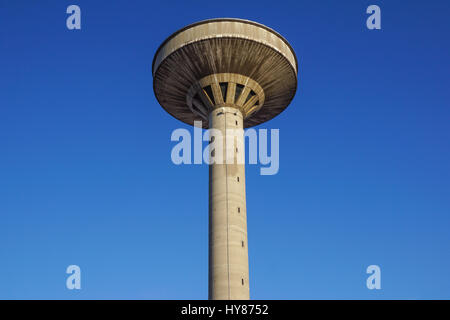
{"x": 86, "y": 176}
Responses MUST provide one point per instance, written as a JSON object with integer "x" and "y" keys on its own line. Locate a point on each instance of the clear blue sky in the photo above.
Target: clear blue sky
{"x": 86, "y": 176}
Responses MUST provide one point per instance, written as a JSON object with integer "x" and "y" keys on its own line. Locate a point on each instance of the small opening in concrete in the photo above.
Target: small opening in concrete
{"x": 239, "y": 88}
{"x": 239, "y": 209}
{"x": 236, "y": 122}
{"x": 242, "y": 244}
{"x": 242, "y": 280}
{"x": 250, "y": 95}
{"x": 209, "y": 93}
{"x": 237, "y": 179}
{"x": 224, "y": 89}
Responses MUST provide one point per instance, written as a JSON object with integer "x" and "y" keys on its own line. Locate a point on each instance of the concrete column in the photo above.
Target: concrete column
{"x": 228, "y": 249}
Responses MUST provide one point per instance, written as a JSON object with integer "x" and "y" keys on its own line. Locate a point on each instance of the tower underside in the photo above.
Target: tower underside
{"x": 225, "y": 46}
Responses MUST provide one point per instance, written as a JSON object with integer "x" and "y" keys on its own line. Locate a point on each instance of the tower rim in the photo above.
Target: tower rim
{"x": 224, "y": 20}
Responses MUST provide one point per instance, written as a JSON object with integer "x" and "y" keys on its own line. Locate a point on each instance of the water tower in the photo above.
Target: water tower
{"x": 229, "y": 74}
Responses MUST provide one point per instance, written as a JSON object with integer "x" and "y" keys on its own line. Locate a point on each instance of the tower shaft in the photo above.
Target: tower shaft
{"x": 228, "y": 250}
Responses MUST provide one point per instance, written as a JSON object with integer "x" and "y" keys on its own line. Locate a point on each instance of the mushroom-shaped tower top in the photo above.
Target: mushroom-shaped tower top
{"x": 225, "y": 62}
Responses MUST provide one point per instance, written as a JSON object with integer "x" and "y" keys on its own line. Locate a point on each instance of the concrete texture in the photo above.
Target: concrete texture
{"x": 225, "y": 46}
{"x": 228, "y": 253}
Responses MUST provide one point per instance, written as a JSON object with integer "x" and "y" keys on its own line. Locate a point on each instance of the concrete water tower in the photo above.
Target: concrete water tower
{"x": 229, "y": 74}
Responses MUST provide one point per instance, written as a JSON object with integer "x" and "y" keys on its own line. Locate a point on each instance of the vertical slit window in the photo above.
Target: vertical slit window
{"x": 239, "y": 88}
{"x": 242, "y": 281}
{"x": 209, "y": 93}
{"x": 250, "y": 95}
{"x": 239, "y": 209}
{"x": 224, "y": 89}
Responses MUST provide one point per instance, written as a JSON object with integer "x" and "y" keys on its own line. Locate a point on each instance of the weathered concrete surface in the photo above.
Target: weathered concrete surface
{"x": 223, "y": 88}
{"x": 225, "y": 46}
{"x": 228, "y": 248}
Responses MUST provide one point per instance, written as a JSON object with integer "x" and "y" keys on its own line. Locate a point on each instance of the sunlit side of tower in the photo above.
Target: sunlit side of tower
{"x": 229, "y": 74}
